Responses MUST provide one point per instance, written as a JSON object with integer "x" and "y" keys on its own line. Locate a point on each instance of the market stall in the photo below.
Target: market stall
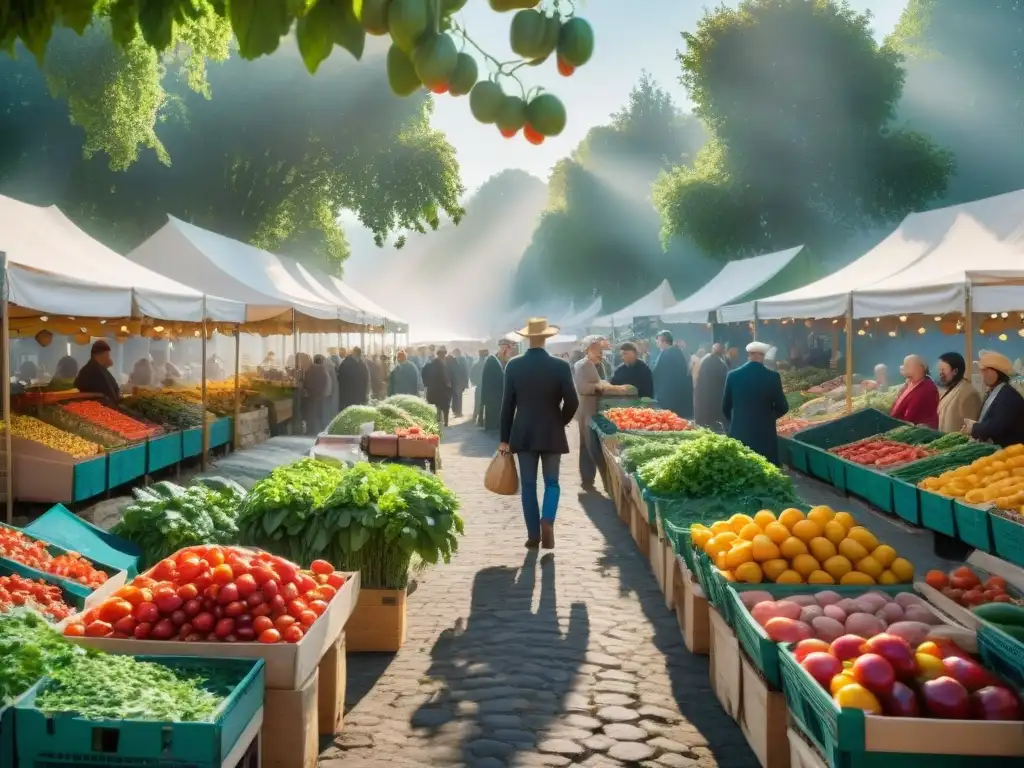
{"x": 61, "y": 281}
{"x": 651, "y": 305}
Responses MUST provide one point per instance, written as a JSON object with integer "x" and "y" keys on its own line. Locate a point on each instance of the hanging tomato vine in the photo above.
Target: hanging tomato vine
{"x": 428, "y": 45}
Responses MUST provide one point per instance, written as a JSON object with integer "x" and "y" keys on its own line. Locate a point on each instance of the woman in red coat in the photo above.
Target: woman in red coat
{"x": 918, "y": 403}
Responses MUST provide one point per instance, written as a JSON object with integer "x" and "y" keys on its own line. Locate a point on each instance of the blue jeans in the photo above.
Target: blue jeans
{"x": 532, "y": 512}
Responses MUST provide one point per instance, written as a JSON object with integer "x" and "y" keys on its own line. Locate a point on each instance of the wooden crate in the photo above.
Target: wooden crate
{"x": 378, "y": 622}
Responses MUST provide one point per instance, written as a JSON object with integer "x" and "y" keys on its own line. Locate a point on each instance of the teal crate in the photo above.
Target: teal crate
{"x": 972, "y": 526}
{"x": 712, "y": 582}
{"x": 75, "y": 592}
{"x": 763, "y": 652}
{"x": 89, "y": 479}
{"x": 798, "y": 457}
{"x": 64, "y": 528}
{"x": 840, "y": 734}
{"x": 192, "y": 442}
{"x": 68, "y": 740}
{"x": 220, "y": 432}
{"x": 8, "y": 752}
{"x": 905, "y": 501}
{"x": 937, "y": 512}
{"x": 1008, "y": 538}
{"x": 164, "y": 452}
{"x": 784, "y": 457}
{"x": 869, "y": 484}
{"x": 827, "y": 466}
{"x": 125, "y": 465}
{"x": 847, "y": 429}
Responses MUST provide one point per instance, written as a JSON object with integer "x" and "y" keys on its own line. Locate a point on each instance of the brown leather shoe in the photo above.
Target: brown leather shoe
{"x": 532, "y": 543}
{"x": 547, "y": 534}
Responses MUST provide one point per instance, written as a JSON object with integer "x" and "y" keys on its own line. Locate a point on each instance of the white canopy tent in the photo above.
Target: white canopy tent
{"x": 54, "y": 267}
{"x": 975, "y": 244}
{"x": 581, "y": 320}
{"x": 735, "y": 280}
{"x": 654, "y": 303}
{"x": 258, "y": 279}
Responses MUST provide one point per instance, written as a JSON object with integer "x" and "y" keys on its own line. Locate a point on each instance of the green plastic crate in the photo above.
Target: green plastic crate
{"x": 67, "y": 740}
{"x": 798, "y": 456}
{"x": 937, "y": 512}
{"x": 1008, "y": 538}
{"x": 191, "y": 442}
{"x": 972, "y": 526}
{"x": 869, "y": 484}
{"x": 784, "y": 457}
{"x": 712, "y": 582}
{"x": 8, "y": 713}
{"x": 60, "y": 526}
{"x": 220, "y": 432}
{"x": 840, "y": 734}
{"x": 125, "y": 465}
{"x": 847, "y": 429}
{"x": 76, "y": 593}
{"x": 89, "y": 478}
{"x": 826, "y": 466}
{"x": 164, "y": 451}
{"x": 905, "y": 501}
{"x": 763, "y": 652}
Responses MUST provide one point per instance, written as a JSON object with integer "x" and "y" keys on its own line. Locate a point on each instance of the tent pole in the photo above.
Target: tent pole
{"x": 238, "y": 388}
{"x": 206, "y": 422}
{"x": 5, "y": 372}
{"x": 755, "y": 323}
{"x": 849, "y": 354}
{"x": 969, "y": 333}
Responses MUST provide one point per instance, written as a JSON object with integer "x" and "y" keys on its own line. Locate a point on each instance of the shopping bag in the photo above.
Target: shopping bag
{"x": 501, "y": 476}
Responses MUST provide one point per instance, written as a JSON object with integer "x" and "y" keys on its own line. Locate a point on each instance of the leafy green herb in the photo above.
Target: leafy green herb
{"x": 109, "y": 687}
{"x": 30, "y": 649}
{"x": 953, "y": 458}
{"x": 714, "y": 465}
{"x": 350, "y": 421}
{"x": 422, "y": 412}
{"x": 166, "y": 517}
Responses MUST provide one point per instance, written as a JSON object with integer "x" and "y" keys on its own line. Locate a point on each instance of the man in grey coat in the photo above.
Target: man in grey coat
{"x": 589, "y": 379}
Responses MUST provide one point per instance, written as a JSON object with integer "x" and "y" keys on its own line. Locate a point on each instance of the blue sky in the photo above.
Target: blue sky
{"x": 629, "y": 40}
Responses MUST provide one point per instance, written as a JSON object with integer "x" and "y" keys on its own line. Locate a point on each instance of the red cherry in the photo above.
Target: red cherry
{"x": 439, "y": 89}
{"x": 532, "y": 136}
{"x": 565, "y": 69}
{"x": 508, "y": 134}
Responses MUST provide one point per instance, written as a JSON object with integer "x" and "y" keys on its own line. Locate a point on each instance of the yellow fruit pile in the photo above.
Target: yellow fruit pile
{"x": 997, "y": 479}
{"x": 31, "y": 428}
{"x": 821, "y": 547}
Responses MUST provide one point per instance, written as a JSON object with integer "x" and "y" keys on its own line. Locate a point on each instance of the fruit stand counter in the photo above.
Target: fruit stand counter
{"x": 165, "y": 451}
{"x": 44, "y": 474}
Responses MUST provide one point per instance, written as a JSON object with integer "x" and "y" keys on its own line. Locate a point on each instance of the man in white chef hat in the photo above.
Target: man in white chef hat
{"x": 753, "y": 401}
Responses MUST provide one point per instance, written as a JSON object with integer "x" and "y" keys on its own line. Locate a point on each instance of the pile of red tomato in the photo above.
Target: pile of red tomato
{"x": 880, "y": 453}
{"x": 16, "y": 546}
{"x": 46, "y": 598}
{"x": 965, "y": 587}
{"x": 646, "y": 419}
{"x": 216, "y": 594}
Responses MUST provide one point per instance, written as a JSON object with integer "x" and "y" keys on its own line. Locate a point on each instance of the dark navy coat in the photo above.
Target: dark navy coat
{"x": 752, "y": 402}
{"x": 673, "y": 385}
{"x": 539, "y": 402}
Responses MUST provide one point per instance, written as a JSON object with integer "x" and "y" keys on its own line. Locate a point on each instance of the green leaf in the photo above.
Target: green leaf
{"x": 346, "y": 30}
{"x": 359, "y": 538}
{"x": 76, "y": 14}
{"x": 34, "y": 24}
{"x": 314, "y": 34}
{"x": 124, "y": 19}
{"x": 259, "y": 25}
{"x": 156, "y": 20}
{"x": 272, "y": 520}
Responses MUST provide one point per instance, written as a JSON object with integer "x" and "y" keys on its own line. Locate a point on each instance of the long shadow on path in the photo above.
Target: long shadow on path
{"x": 507, "y": 671}
{"x": 688, "y": 674}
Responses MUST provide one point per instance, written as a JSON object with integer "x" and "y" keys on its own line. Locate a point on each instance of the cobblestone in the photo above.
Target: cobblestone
{"x": 520, "y": 658}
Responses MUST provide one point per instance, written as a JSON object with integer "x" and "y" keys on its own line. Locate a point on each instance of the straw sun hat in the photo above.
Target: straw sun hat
{"x": 537, "y": 328}
{"x": 996, "y": 362}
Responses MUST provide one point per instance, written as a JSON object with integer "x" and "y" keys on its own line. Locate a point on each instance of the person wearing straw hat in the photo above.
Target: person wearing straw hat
{"x": 1002, "y": 414}
{"x": 539, "y": 402}
{"x": 752, "y": 402}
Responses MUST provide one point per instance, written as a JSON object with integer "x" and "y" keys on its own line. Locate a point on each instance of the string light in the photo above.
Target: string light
{"x": 994, "y": 315}
{"x": 903, "y": 318}
{"x": 159, "y": 329}
{"x": 938, "y": 319}
{"x": 1002, "y": 337}
{"x": 1005, "y": 315}
{"x": 921, "y": 331}
{"x": 124, "y": 329}
{"x": 862, "y": 332}
{"x": 892, "y": 334}
{"x": 44, "y": 318}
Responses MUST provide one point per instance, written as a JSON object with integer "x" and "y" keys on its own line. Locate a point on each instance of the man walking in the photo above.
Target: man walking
{"x": 538, "y": 403}
{"x": 353, "y": 380}
{"x": 476, "y": 375}
{"x": 438, "y": 384}
{"x": 405, "y": 378}
{"x": 709, "y": 388}
{"x": 458, "y": 373}
{"x": 588, "y": 376}
{"x": 492, "y": 381}
{"x": 753, "y": 401}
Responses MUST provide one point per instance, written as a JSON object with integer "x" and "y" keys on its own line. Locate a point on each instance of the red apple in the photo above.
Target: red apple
{"x": 812, "y": 645}
{"x": 847, "y": 647}
{"x": 944, "y": 697}
{"x": 896, "y": 651}
{"x": 874, "y": 673}
{"x": 901, "y": 701}
{"x": 822, "y": 667}
{"x": 993, "y": 702}
{"x": 969, "y": 674}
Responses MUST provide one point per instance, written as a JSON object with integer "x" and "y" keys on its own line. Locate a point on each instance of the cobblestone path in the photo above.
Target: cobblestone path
{"x": 525, "y": 659}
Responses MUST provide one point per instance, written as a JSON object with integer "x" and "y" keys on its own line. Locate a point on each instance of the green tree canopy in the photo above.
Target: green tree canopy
{"x": 965, "y": 87}
{"x": 599, "y": 234}
{"x": 258, "y": 151}
{"x": 800, "y": 100}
